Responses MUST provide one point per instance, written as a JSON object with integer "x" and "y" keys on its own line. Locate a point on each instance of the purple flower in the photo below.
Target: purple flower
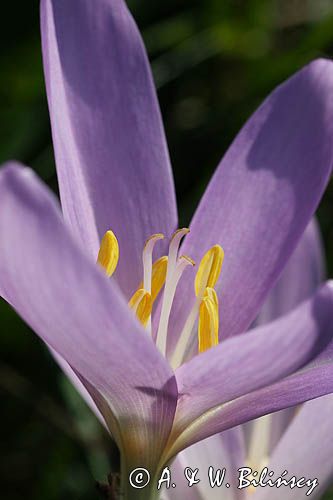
{"x": 304, "y": 450}
{"x": 114, "y": 173}
{"x": 295, "y": 439}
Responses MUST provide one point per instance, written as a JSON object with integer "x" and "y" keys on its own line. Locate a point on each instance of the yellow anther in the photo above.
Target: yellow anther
{"x": 212, "y": 295}
{"x": 158, "y": 277}
{"x": 208, "y": 327}
{"x": 209, "y": 269}
{"x": 141, "y": 304}
{"x": 108, "y": 254}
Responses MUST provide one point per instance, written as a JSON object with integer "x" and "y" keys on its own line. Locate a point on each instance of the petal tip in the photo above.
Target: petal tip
{"x": 12, "y": 169}
{"x": 320, "y": 65}
{"x": 330, "y": 284}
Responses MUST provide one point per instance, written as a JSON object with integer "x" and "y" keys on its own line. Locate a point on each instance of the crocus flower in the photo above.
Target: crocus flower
{"x": 296, "y": 439}
{"x": 131, "y": 350}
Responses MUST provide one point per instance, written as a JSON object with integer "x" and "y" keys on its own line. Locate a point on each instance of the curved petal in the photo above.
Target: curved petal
{"x": 312, "y": 381}
{"x": 213, "y": 382}
{"x": 263, "y": 195}
{"x": 78, "y": 312}
{"x": 305, "y": 450}
{"x": 111, "y": 154}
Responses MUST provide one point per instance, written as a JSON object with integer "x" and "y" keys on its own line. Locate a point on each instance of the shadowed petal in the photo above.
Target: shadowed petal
{"x": 263, "y": 195}
{"x": 78, "y": 312}
{"x": 305, "y": 450}
{"x": 211, "y": 384}
{"x": 111, "y": 154}
{"x": 301, "y": 276}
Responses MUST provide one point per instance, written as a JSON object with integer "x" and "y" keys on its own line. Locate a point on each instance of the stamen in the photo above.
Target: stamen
{"x": 207, "y": 275}
{"x": 208, "y": 326}
{"x": 209, "y": 269}
{"x": 159, "y": 270}
{"x": 147, "y": 258}
{"x": 174, "y": 271}
{"x": 212, "y": 295}
{"x": 108, "y": 254}
{"x": 141, "y": 304}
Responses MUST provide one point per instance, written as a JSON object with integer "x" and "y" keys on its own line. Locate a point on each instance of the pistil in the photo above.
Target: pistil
{"x": 169, "y": 294}
{"x": 171, "y": 282}
{"x": 147, "y": 260}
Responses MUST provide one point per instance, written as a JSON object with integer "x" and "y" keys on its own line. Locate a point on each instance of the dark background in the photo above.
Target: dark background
{"x": 213, "y": 61}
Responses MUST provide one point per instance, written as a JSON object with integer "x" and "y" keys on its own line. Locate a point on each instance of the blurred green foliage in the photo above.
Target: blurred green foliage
{"x": 213, "y": 63}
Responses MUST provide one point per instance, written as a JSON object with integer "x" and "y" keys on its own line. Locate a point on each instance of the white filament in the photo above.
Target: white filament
{"x": 147, "y": 260}
{"x": 185, "y": 336}
{"x": 178, "y": 356}
{"x": 169, "y": 294}
{"x": 259, "y": 442}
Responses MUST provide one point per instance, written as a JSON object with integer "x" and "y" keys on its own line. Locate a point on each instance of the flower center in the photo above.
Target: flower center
{"x": 167, "y": 271}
